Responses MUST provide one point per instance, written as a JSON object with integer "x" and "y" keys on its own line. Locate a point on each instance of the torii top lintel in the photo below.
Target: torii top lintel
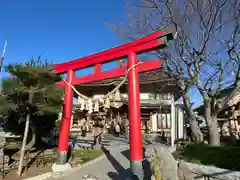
{"x": 151, "y": 42}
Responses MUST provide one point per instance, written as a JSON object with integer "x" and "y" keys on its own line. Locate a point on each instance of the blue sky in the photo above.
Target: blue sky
{"x": 58, "y": 30}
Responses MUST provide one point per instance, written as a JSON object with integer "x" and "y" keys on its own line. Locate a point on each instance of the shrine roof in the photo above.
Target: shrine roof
{"x": 222, "y": 96}
{"x": 150, "y": 81}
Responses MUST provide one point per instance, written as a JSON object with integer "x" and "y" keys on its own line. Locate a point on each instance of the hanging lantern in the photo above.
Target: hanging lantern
{"x": 117, "y": 96}
{"x": 96, "y": 106}
{"x": 107, "y": 103}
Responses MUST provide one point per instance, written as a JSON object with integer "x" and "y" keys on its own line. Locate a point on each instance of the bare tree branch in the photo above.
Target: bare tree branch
{"x": 206, "y": 47}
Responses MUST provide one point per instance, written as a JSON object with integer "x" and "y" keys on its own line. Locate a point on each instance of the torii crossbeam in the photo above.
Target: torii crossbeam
{"x": 151, "y": 42}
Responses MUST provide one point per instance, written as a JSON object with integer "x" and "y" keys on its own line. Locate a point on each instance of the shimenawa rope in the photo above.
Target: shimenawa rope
{"x": 108, "y": 94}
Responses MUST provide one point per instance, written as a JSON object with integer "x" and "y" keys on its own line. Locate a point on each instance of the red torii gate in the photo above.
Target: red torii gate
{"x": 151, "y": 42}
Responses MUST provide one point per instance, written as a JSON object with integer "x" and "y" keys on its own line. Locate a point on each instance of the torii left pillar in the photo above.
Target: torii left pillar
{"x": 63, "y": 142}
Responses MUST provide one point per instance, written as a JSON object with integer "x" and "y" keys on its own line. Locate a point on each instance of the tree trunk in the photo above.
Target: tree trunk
{"x": 25, "y": 136}
{"x": 214, "y": 137}
{"x": 211, "y": 120}
{"x": 32, "y": 141}
{"x": 19, "y": 172}
{"x": 196, "y": 132}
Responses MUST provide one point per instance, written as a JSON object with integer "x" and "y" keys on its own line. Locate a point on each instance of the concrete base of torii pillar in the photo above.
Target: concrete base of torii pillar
{"x": 61, "y": 167}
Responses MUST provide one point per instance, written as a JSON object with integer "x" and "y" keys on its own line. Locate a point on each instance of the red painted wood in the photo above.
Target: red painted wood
{"x": 67, "y": 114}
{"x": 135, "y": 131}
{"x": 118, "y": 72}
{"x": 97, "y": 68}
{"x": 147, "y": 43}
{"x": 150, "y": 42}
{"x": 150, "y": 37}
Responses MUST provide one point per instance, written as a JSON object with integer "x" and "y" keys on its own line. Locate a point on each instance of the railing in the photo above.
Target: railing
{"x": 203, "y": 172}
{"x": 201, "y": 176}
{"x": 160, "y": 96}
{"x": 86, "y": 143}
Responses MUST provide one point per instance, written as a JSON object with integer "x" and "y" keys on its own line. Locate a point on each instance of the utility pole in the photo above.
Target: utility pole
{"x": 2, "y": 131}
{"x": 3, "y": 55}
{"x": 1, "y": 63}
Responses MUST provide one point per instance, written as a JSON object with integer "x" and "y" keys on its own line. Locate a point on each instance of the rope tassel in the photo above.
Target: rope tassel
{"x": 87, "y": 103}
{"x": 117, "y": 96}
{"x": 107, "y": 103}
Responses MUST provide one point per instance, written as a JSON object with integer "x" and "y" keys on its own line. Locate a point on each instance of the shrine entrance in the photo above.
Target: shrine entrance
{"x": 130, "y": 72}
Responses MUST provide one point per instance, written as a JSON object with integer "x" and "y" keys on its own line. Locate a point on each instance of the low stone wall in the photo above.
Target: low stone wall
{"x": 212, "y": 173}
{"x": 163, "y": 164}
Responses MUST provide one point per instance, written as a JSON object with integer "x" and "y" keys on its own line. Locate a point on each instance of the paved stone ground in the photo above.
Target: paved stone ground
{"x": 115, "y": 166}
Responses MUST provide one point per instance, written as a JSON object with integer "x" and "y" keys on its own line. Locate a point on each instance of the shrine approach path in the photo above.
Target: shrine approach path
{"x": 114, "y": 166}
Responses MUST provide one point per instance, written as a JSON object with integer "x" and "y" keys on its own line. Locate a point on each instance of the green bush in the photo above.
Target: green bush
{"x": 226, "y": 157}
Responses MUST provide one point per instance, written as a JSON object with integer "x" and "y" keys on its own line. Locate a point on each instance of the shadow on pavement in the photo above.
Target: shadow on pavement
{"x": 126, "y": 140}
{"x": 123, "y": 173}
{"x": 146, "y": 165}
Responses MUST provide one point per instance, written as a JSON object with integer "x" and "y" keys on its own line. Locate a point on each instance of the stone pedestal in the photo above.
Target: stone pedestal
{"x": 61, "y": 167}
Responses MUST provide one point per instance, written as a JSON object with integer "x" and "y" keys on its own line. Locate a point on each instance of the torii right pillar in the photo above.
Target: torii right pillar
{"x": 135, "y": 131}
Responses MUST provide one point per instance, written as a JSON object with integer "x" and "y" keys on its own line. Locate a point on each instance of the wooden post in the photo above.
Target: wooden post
{"x": 26, "y": 161}
{"x": 173, "y": 125}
